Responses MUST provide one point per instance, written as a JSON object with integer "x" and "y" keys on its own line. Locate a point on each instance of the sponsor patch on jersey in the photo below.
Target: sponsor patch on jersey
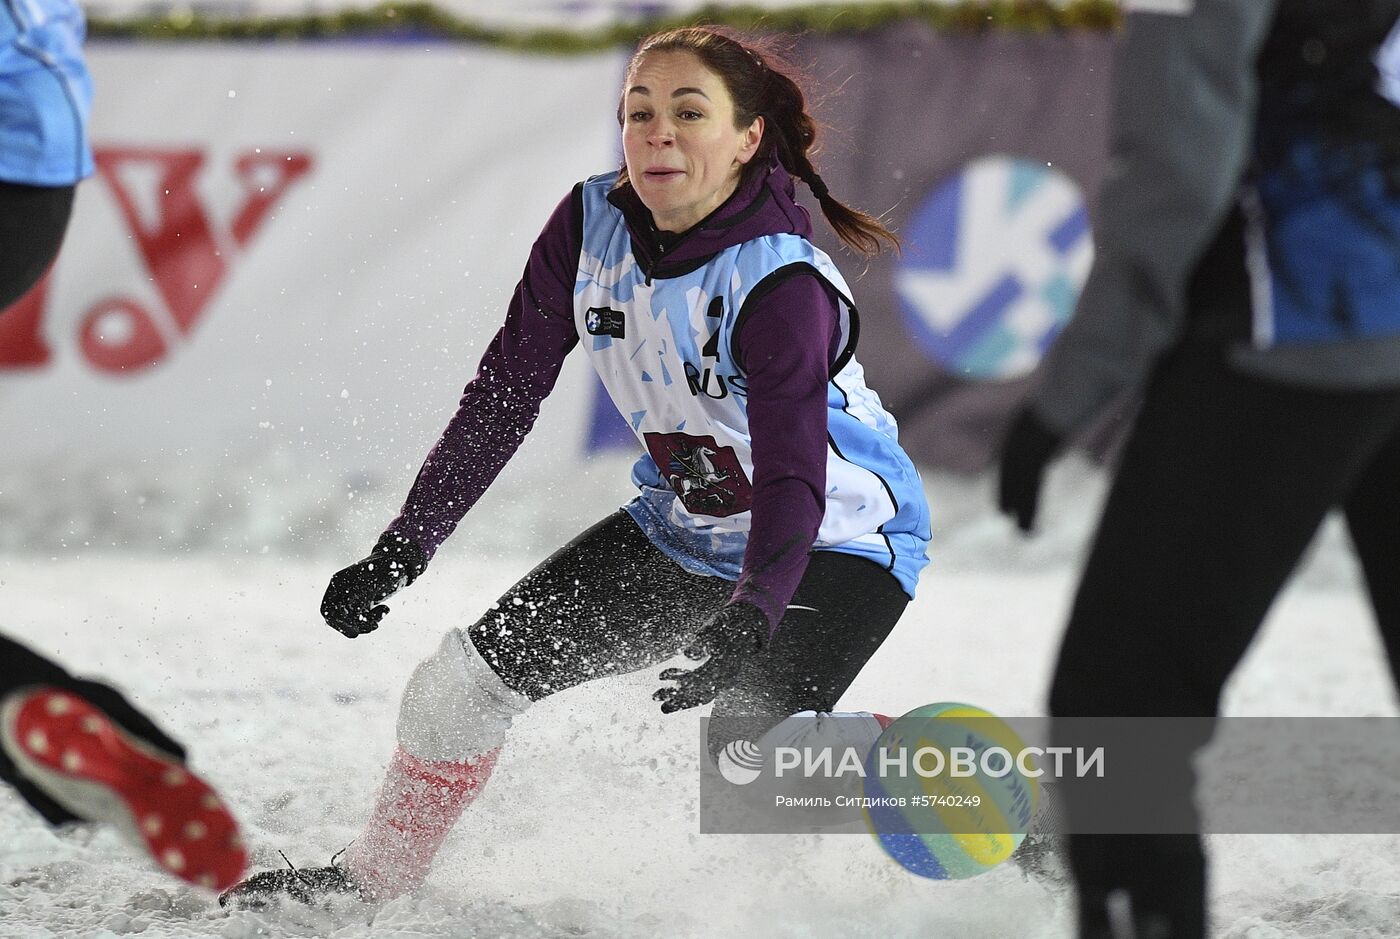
{"x": 605, "y": 321}
{"x": 707, "y": 477}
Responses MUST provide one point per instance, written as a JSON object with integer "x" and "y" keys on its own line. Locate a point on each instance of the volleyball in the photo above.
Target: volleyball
{"x": 950, "y": 790}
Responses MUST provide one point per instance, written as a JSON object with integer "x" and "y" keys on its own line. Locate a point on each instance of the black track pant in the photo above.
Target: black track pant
{"x": 1222, "y": 485}
{"x": 610, "y": 603}
{"x": 32, "y": 222}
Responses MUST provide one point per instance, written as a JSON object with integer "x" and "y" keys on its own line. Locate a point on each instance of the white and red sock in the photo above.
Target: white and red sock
{"x": 418, "y": 803}
{"x": 453, "y": 718}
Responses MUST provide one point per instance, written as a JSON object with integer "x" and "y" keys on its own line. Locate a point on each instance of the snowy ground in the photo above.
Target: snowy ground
{"x": 588, "y": 828}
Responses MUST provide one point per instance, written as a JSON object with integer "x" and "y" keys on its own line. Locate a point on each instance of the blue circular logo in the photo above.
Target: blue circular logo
{"x": 995, "y": 258}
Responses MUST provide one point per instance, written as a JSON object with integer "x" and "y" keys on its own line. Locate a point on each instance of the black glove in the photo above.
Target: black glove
{"x": 1027, "y": 451}
{"x": 353, "y": 601}
{"x": 728, "y": 639}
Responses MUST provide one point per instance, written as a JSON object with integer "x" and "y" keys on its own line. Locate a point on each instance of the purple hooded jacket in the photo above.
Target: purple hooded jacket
{"x": 788, "y": 346}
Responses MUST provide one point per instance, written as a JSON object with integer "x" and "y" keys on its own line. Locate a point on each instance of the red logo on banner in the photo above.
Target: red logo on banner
{"x": 182, "y": 254}
{"x": 21, "y": 343}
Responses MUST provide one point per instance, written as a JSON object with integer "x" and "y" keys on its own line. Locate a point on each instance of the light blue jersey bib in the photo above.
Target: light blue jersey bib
{"x": 665, "y": 351}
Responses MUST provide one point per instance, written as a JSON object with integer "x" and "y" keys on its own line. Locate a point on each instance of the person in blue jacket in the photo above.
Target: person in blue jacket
{"x": 74, "y": 748}
{"x": 1247, "y": 282}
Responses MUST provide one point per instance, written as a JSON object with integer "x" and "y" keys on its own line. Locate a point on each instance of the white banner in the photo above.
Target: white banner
{"x": 285, "y": 270}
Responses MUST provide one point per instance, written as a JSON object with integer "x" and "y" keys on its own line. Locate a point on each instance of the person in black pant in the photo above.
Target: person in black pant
{"x": 75, "y": 749}
{"x": 778, "y": 528}
{"x": 1249, "y": 277}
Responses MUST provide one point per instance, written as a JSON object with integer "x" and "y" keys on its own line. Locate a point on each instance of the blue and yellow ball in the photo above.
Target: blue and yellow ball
{"x": 962, "y": 820}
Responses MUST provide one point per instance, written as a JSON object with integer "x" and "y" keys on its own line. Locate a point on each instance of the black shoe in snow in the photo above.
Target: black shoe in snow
{"x": 1041, "y": 857}
{"x": 1044, "y": 853}
{"x": 308, "y": 885}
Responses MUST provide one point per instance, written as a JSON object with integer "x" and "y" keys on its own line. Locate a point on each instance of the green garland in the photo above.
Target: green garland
{"x": 422, "y": 19}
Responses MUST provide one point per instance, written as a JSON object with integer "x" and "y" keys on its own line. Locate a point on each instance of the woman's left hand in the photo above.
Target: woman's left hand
{"x": 727, "y": 640}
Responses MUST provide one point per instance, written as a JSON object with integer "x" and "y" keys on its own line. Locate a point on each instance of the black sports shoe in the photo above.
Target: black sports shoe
{"x": 1044, "y": 854}
{"x": 308, "y": 885}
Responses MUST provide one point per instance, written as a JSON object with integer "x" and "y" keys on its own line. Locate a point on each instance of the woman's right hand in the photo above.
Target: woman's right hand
{"x": 353, "y": 604}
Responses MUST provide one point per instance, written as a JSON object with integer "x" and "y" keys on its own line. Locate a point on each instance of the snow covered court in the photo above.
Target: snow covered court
{"x": 589, "y": 827}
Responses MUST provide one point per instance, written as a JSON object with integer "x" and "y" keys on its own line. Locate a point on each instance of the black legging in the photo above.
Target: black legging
{"x": 32, "y": 222}
{"x": 1222, "y": 485}
{"x": 609, "y": 603}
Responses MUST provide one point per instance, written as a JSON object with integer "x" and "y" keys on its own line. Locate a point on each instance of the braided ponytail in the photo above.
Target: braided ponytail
{"x": 762, "y": 85}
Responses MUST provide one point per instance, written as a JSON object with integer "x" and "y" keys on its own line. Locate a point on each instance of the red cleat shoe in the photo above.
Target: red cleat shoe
{"x": 70, "y": 749}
